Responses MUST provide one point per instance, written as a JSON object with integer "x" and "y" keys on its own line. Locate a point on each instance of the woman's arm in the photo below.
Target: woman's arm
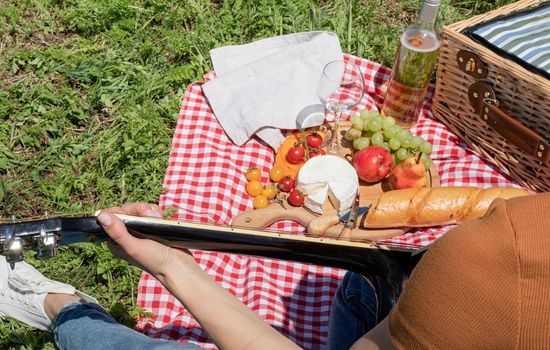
{"x": 229, "y": 322}
{"x": 377, "y": 339}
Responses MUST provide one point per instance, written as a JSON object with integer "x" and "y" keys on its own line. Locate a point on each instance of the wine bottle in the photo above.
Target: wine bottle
{"x": 413, "y": 67}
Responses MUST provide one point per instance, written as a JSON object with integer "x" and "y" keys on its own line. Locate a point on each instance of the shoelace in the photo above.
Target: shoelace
{"x": 28, "y": 282}
{"x": 23, "y": 299}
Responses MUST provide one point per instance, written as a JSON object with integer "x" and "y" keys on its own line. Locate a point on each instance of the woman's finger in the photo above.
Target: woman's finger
{"x": 141, "y": 209}
{"x": 155, "y": 211}
{"x": 115, "y": 228}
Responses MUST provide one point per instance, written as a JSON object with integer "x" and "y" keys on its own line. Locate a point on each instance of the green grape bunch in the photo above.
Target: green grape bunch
{"x": 369, "y": 128}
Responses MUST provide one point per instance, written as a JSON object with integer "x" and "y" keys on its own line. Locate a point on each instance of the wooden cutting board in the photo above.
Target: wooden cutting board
{"x": 259, "y": 219}
{"x": 262, "y": 218}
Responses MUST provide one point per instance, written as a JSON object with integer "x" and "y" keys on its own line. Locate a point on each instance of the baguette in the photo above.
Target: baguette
{"x": 424, "y": 207}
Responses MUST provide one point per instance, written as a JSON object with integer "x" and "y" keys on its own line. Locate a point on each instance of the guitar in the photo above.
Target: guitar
{"x": 386, "y": 264}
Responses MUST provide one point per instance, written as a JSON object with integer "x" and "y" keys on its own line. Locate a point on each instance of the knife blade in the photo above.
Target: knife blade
{"x": 361, "y": 211}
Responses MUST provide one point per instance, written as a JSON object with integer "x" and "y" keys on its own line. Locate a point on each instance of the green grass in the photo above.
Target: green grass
{"x": 89, "y": 95}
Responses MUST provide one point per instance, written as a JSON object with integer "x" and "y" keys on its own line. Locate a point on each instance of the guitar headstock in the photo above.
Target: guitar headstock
{"x": 44, "y": 235}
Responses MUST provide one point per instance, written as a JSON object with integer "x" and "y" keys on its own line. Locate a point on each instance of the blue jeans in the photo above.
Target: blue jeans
{"x": 357, "y": 307}
{"x": 90, "y": 327}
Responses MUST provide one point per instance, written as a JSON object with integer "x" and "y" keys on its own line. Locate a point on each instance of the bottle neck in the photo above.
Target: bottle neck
{"x": 428, "y": 14}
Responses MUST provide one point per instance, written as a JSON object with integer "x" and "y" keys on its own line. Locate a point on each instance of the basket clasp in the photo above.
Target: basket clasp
{"x": 471, "y": 64}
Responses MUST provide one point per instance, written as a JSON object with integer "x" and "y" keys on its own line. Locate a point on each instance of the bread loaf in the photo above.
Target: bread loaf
{"x": 422, "y": 207}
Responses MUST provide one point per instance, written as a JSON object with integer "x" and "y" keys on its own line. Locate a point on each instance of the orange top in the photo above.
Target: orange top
{"x": 484, "y": 285}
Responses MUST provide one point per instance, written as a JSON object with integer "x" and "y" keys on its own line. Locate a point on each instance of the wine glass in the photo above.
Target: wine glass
{"x": 340, "y": 89}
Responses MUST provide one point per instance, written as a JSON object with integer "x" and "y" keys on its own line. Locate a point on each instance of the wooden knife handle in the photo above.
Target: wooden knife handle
{"x": 320, "y": 224}
{"x": 346, "y": 233}
{"x": 263, "y": 217}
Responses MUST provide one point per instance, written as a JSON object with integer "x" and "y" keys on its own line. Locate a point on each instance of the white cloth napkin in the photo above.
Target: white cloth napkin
{"x": 263, "y": 86}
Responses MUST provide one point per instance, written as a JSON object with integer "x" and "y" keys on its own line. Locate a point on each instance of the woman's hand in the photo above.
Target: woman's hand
{"x": 149, "y": 255}
{"x": 228, "y": 321}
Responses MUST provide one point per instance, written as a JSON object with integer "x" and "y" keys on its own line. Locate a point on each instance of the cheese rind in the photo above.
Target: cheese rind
{"x": 328, "y": 176}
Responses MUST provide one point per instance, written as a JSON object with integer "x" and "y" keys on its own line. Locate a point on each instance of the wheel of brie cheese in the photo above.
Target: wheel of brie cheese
{"x": 328, "y": 176}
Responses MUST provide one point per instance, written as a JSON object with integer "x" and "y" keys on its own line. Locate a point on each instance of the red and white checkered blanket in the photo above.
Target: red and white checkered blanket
{"x": 205, "y": 182}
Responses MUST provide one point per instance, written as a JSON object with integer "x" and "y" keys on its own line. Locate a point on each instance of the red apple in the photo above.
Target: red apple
{"x": 372, "y": 163}
{"x": 408, "y": 173}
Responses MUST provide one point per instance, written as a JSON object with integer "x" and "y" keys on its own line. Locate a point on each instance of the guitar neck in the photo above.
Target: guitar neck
{"x": 392, "y": 265}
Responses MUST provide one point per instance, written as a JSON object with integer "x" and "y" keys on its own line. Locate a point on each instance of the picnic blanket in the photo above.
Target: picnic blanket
{"x": 205, "y": 182}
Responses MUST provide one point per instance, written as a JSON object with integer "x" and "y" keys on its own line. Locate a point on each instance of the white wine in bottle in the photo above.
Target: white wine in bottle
{"x": 413, "y": 67}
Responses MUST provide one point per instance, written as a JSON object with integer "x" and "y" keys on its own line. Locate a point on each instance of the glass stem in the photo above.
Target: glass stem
{"x": 334, "y": 144}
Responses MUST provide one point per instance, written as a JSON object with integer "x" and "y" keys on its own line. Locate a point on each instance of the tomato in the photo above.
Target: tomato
{"x": 314, "y": 140}
{"x": 276, "y": 174}
{"x": 295, "y": 154}
{"x": 316, "y": 152}
{"x": 295, "y": 198}
{"x": 286, "y": 184}
{"x": 260, "y": 202}
{"x": 270, "y": 192}
{"x": 254, "y": 188}
{"x": 253, "y": 173}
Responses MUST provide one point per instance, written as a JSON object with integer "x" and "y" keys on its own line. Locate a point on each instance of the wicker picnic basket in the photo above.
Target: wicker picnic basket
{"x": 498, "y": 107}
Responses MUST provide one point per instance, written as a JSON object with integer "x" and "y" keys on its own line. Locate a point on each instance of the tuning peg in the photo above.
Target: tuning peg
{"x": 15, "y": 253}
{"x": 46, "y": 251}
{"x": 47, "y": 244}
{"x": 13, "y": 247}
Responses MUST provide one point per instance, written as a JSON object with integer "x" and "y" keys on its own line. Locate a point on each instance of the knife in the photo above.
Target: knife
{"x": 321, "y": 223}
{"x": 351, "y": 221}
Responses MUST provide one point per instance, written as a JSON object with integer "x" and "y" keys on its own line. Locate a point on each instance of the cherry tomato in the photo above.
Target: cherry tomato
{"x": 295, "y": 154}
{"x": 295, "y": 198}
{"x": 276, "y": 174}
{"x": 270, "y": 192}
{"x": 253, "y": 173}
{"x": 286, "y": 184}
{"x": 254, "y": 188}
{"x": 316, "y": 152}
{"x": 314, "y": 140}
{"x": 260, "y": 201}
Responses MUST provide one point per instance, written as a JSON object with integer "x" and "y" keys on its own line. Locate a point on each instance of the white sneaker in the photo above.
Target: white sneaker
{"x": 23, "y": 290}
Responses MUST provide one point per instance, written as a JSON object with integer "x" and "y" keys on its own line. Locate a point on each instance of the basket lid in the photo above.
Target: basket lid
{"x": 520, "y": 36}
